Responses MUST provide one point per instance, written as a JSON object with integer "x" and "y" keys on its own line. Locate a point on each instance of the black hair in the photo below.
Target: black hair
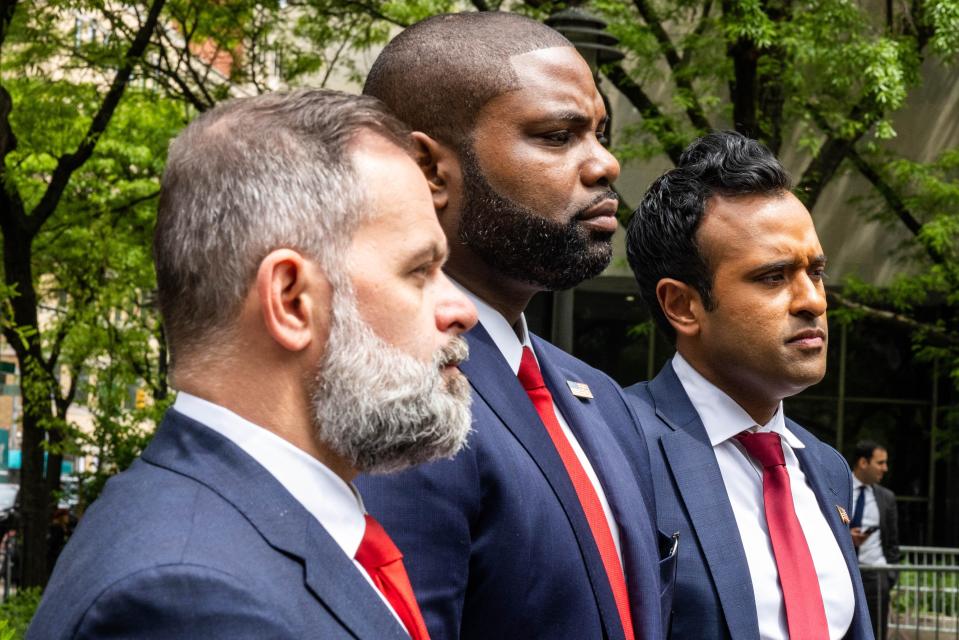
{"x": 437, "y": 74}
{"x": 865, "y": 450}
{"x": 661, "y": 235}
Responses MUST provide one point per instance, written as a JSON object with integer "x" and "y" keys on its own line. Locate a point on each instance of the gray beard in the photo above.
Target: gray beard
{"x": 380, "y": 409}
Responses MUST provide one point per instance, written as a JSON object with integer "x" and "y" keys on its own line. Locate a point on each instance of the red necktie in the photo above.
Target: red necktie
{"x": 532, "y": 380}
{"x": 384, "y": 562}
{"x": 805, "y": 613}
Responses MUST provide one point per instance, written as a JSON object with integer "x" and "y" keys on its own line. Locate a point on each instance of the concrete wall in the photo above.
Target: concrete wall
{"x": 926, "y": 126}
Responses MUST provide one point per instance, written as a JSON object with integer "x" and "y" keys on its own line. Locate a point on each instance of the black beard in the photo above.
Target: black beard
{"x": 523, "y": 245}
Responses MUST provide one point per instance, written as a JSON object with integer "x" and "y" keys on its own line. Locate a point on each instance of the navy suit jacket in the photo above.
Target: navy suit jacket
{"x": 197, "y": 540}
{"x": 713, "y": 598}
{"x": 495, "y": 540}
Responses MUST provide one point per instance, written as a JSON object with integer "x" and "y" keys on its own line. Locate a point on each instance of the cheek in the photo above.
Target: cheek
{"x": 536, "y": 183}
{"x": 405, "y": 321}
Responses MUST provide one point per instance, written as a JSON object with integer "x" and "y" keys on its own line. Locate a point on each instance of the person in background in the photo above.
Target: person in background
{"x": 874, "y": 528}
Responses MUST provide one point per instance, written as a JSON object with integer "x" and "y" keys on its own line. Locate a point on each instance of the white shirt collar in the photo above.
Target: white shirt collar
{"x": 509, "y": 340}
{"x": 721, "y": 415}
{"x": 333, "y": 502}
{"x": 856, "y": 483}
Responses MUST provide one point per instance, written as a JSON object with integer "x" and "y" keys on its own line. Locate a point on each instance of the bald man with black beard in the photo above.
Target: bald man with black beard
{"x": 541, "y": 527}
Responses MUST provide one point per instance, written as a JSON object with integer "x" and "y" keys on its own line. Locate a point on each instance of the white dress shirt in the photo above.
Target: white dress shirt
{"x": 870, "y": 551}
{"x": 510, "y": 342}
{"x": 335, "y": 504}
{"x": 742, "y": 476}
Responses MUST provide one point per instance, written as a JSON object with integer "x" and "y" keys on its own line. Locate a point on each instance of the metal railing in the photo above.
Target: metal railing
{"x": 924, "y": 602}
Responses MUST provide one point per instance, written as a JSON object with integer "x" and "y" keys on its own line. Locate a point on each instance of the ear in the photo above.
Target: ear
{"x": 681, "y": 305}
{"x": 439, "y": 164}
{"x": 294, "y": 298}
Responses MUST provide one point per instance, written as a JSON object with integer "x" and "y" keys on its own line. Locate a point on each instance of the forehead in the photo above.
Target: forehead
{"x": 400, "y": 207}
{"x": 553, "y": 80}
{"x": 757, "y": 228}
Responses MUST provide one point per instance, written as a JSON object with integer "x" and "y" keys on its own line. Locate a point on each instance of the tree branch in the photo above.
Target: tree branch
{"x": 171, "y": 73}
{"x": 700, "y": 28}
{"x": 665, "y": 132}
{"x": 894, "y": 201}
{"x": 676, "y": 63}
{"x": 933, "y": 332}
{"x": 12, "y": 212}
{"x": 833, "y": 151}
{"x": 70, "y": 162}
{"x": 846, "y": 149}
{"x": 7, "y": 9}
{"x": 339, "y": 51}
{"x": 375, "y": 13}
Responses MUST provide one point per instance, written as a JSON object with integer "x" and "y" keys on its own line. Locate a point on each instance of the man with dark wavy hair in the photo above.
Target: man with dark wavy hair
{"x": 729, "y": 264}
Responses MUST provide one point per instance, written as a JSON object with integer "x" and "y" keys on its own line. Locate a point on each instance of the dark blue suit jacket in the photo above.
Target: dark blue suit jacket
{"x": 197, "y": 540}
{"x": 495, "y": 540}
{"x": 714, "y": 598}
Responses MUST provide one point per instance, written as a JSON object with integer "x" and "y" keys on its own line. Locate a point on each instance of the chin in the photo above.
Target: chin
{"x": 803, "y": 382}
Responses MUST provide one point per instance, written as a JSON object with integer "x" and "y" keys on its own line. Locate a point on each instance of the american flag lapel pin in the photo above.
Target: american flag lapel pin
{"x": 580, "y": 389}
{"x": 843, "y": 515}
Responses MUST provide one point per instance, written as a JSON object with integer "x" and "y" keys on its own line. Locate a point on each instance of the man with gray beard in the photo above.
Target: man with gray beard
{"x": 313, "y": 335}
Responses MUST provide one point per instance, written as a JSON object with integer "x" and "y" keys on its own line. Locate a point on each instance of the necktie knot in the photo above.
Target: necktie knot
{"x": 529, "y": 374}
{"x": 766, "y": 448}
{"x": 376, "y": 549}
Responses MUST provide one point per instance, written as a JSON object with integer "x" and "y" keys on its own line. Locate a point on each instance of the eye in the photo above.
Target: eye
{"x": 818, "y": 274}
{"x": 601, "y": 137}
{"x": 772, "y": 278}
{"x": 557, "y": 138}
{"x": 422, "y": 270}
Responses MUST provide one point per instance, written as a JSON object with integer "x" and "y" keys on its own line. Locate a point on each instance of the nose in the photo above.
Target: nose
{"x": 455, "y": 313}
{"x": 809, "y": 296}
{"x": 601, "y": 167}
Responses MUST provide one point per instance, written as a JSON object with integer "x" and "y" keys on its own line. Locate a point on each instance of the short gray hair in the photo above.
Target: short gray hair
{"x": 248, "y": 177}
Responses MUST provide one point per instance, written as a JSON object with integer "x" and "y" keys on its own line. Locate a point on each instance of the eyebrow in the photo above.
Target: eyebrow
{"x": 818, "y": 261}
{"x": 575, "y": 117}
{"x": 432, "y": 252}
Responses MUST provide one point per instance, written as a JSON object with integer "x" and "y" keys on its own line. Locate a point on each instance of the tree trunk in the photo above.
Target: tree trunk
{"x": 24, "y": 337}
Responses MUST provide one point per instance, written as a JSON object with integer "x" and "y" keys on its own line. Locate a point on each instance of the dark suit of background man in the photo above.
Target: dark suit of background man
{"x": 509, "y": 127}
{"x": 728, "y": 261}
{"x": 313, "y": 335}
{"x": 874, "y": 528}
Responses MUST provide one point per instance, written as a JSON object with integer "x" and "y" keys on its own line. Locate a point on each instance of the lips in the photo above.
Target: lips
{"x": 602, "y": 215}
{"x": 808, "y": 339}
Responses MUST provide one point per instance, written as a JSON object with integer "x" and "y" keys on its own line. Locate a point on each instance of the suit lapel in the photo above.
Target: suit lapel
{"x": 828, "y": 494}
{"x": 694, "y": 469}
{"x": 189, "y": 448}
{"x": 637, "y": 532}
{"x": 494, "y": 381}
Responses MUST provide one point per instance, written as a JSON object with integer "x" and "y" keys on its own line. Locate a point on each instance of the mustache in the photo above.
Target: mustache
{"x": 452, "y": 353}
{"x": 609, "y": 194}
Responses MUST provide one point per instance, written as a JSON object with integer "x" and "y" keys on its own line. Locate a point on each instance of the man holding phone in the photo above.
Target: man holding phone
{"x": 874, "y": 528}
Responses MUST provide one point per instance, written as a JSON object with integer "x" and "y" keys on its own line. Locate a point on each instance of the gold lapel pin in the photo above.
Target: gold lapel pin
{"x": 843, "y": 515}
{"x": 579, "y": 389}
